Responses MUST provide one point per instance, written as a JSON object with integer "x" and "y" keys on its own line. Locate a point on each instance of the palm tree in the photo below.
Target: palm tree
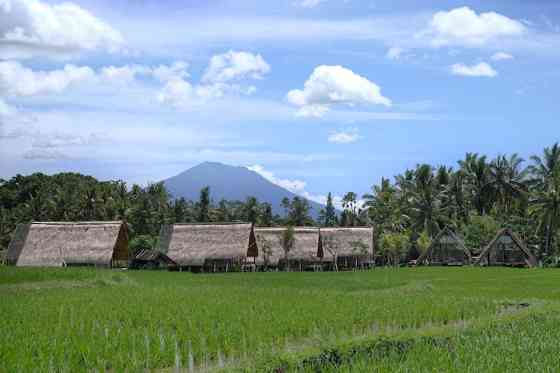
{"x": 475, "y": 169}
{"x": 426, "y": 200}
{"x": 546, "y": 189}
{"x": 507, "y": 181}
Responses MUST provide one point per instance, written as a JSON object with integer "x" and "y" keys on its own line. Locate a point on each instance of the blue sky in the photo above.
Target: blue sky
{"x": 317, "y": 95}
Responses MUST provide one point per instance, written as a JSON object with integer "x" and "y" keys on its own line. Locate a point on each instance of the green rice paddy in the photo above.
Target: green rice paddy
{"x": 417, "y": 319}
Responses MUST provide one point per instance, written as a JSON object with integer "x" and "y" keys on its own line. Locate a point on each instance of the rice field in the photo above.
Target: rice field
{"x": 408, "y": 319}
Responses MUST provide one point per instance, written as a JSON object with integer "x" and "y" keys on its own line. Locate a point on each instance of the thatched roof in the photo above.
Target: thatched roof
{"x": 146, "y": 255}
{"x": 357, "y": 241}
{"x": 530, "y": 259}
{"x": 192, "y": 244}
{"x": 446, "y": 236}
{"x": 55, "y": 244}
{"x": 305, "y": 245}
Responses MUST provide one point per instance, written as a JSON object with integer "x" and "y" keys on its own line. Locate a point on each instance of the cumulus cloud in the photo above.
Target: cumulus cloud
{"x": 345, "y": 136}
{"x": 177, "y": 70}
{"x": 17, "y": 80}
{"x": 235, "y": 66}
{"x": 309, "y": 3}
{"x": 294, "y": 186}
{"x": 44, "y": 154}
{"x": 463, "y": 26}
{"x": 394, "y": 53}
{"x": 124, "y": 74}
{"x": 32, "y": 27}
{"x": 500, "y": 56}
{"x": 5, "y": 109}
{"x": 330, "y": 85}
{"x": 223, "y": 76}
{"x": 481, "y": 69}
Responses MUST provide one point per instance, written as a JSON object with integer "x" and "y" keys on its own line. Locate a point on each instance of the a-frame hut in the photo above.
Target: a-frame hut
{"x": 151, "y": 259}
{"x": 60, "y": 244}
{"x": 507, "y": 249}
{"x": 303, "y": 254}
{"x": 446, "y": 249}
{"x": 209, "y": 247}
{"x": 349, "y": 248}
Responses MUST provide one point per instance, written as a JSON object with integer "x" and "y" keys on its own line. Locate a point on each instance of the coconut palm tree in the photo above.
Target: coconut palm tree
{"x": 475, "y": 169}
{"x": 545, "y": 205}
{"x": 507, "y": 181}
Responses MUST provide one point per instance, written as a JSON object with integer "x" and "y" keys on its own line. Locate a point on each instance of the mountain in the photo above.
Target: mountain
{"x": 230, "y": 183}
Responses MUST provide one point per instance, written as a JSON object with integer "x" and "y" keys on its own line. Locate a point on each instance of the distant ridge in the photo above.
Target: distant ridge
{"x": 230, "y": 183}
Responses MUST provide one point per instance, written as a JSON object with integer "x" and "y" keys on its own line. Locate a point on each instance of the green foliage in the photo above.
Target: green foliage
{"x": 142, "y": 242}
{"x": 328, "y": 215}
{"x": 477, "y": 198}
{"x": 480, "y": 231}
{"x": 394, "y": 246}
{"x": 423, "y": 242}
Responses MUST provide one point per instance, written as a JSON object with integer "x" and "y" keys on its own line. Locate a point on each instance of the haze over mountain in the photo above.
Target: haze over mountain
{"x": 230, "y": 183}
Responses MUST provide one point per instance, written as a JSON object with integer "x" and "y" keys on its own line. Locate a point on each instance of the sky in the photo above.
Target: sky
{"x": 317, "y": 96}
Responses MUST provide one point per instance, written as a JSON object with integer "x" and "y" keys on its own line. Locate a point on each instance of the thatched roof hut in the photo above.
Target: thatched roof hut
{"x": 446, "y": 249}
{"x": 193, "y": 245}
{"x": 57, "y": 244}
{"x": 304, "y": 250}
{"x": 507, "y": 249}
{"x": 351, "y": 247}
{"x": 151, "y": 259}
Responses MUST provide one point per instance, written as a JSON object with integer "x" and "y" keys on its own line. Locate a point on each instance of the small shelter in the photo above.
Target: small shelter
{"x": 303, "y": 254}
{"x": 446, "y": 249}
{"x": 151, "y": 259}
{"x": 507, "y": 249}
{"x": 209, "y": 247}
{"x": 61, "y": 244}
{"x": 347, "y": 248}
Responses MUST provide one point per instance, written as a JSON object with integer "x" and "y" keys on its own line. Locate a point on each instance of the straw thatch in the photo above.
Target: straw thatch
{"x": 446, "y": 249}
{"x": 306, "y": 243}
{"x": 507, "y": 249}
{"x": 151, "y": 259}
{"x": 56, "y": 244}
{"x": 350, "y": 247}
{"x": 193, "y": 245}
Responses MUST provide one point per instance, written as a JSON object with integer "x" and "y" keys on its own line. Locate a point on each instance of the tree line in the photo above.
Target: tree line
{"x": 475, "y": 199}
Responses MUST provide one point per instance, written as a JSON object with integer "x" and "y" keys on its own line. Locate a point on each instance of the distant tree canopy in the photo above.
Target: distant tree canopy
{"x": 478, "y": 197}
{"x": 475, "y": 200}
{"x": 75, "y": 197}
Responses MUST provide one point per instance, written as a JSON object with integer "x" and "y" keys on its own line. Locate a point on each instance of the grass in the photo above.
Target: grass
{"x": 419, "y": 319}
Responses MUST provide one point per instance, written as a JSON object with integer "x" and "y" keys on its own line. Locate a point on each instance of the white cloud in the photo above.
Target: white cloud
{"x": 33, "y": 27}
{"x": 124, "y": 74}
{"x": 344, "y": 137}
{"x": 309, "y": 3}
{"x": 394, "y": 53}
{"x": 235, "y": 66}
{"x": 164, "y": 73}
{"x": 17, "y": 80}
{"x": 294, "y": 186}
{"x": 499, "y": 56}
{"x": 5, "y": 109}
{"x": 479, "y": 70}
{"x": 330, "y": 85}
{"x": 217, "y": 82}
{"x": 463, "y": 26}
{"x": 44, "y": 154}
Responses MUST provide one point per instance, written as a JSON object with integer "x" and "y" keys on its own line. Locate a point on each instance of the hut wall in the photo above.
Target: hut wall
{"x": 447, "y": 251}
